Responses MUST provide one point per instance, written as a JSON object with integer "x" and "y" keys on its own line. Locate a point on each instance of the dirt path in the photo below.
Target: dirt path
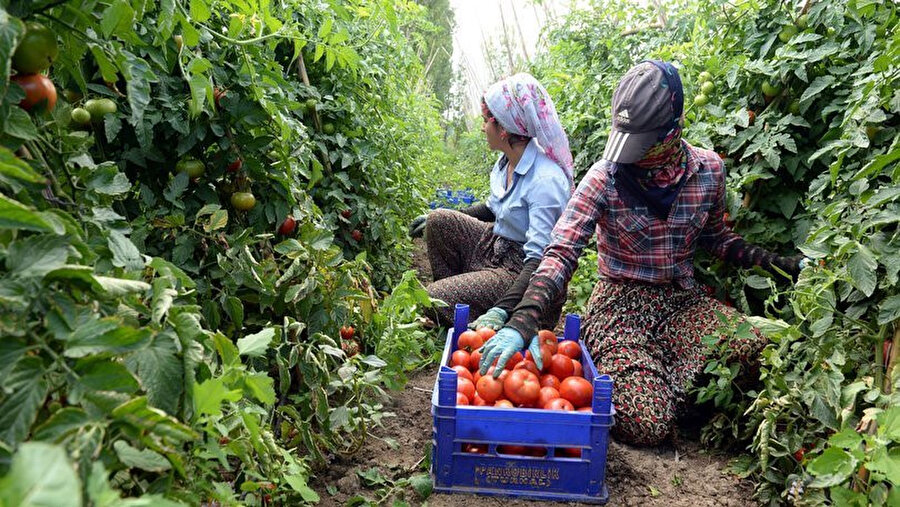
{"x": 635, "y": 476}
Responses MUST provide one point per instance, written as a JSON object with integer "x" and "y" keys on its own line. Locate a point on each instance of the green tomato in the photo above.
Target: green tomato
{"x": 708, "y": 87}
{"x": 311, "y": 105}
{"x": 794, "y": 107}
{"x": 37, "y": 50}
{"x": 191, "y": 166}
{"x": 701, "y": 100}
{"x": 770, "y": 90}
{"x": 803, "y": 22}
{"x": 831, "y": 31}
{"x": 704, "y": 77}
{"x": 328, "y": 129}
{"x": 80, "y": 116}
{"x": 98, "y": 108}
{"x": 787, "y": 32}
{"x": 243, "y": 201}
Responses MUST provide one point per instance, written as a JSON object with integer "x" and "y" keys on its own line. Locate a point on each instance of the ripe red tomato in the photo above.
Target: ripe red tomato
{"x": 568, "y": 452}
{"x": 288, "y": 226}
{"x": 514, "y": 360}
{"x": 346, "y": 213}
{"x": 461, "y": 399}
{"x": 577, "y": 390}
{"x": 522, "y": 387}
{"x": 579, "y": 370}
{"x": 528, "y": 365}
{"x": 559, "y": 404}
{"x": 799, "y": 453}
{"x": 356, "y": 235}
{"x": 460, "y": 357}
{"x": 463, "y": 372}
{"x": 752, "y": 114}
{"x": 478, "y": 401}
{"x": 570, "y": 348}
{"x": 347, "y": 332}
{"x": 537, "y": 452}
{"x": 588, "y": 409}
{"x": 486, "y": 333}
{"x": 218, "y": 95}
{"x": 489, "y": 388}
{"x": 546, "y": 354}
{"x": 561, "y": 366}
{"x": 39, "y": 91}
{"x": 235, "y": 166}
{"x": 474, "y": 359}
{"x": 469, "y": 341}
{"x": 516, "y": 450}
{"x": 548, "y": 338}
{"x": 549, "y": 380}
{"x": 465, "y": 386}
{"x": 504, "y": 404}
{"x": 546, "y": 395}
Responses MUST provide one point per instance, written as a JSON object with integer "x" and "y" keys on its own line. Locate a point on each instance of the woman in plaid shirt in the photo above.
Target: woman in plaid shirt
{"x": 651, "y": 201}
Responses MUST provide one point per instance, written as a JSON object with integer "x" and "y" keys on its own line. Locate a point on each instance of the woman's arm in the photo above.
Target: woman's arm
{"x": 481, "y": 211}
{"x": 568, "y": 239}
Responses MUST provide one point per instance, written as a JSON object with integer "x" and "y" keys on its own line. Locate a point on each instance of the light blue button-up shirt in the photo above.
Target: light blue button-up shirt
{"x": 528, "y": 210}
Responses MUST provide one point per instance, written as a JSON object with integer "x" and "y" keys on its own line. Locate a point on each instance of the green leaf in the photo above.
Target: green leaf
{"x": 889, "y": 310}
{"x": 227, "y": 351}
{"x": 816, "y": 87}
{"x": 125, "y": 254}
{"x": 25, "y": 389}
{"x": 422, "y": 484}
{"x": 200, "y": 10}
{"x": 36, "y": 256}
{"x": 831, "y": 468}
{"x": 11, "y": 30}
{"x": 40, "y": 475}
{"x": 78, "y": 276}
{"x": 19, "y": 125}
{"x": 160, "y": 372}
{"x": 209, "y": 395}
{"x": 14, "y": 215}
{"x": 218, "y": 220}
{"x": 138, "y": 75}
{"x": 118, "y": 340}
{"x": 889, "y": 424}
{"x": 862, "y": 266}
{"x": 63, "y": 422}
{"x": 235, "y": 310}
{"x": 163, "y": 296}
{"x": 107, "y": 69}
{"x": 261, "y": 387}
{"x": 199, "y": 85}
{"x": 145, "y": 459}
{"x": 256, "y": 344}
{"x": 13, "y": 167}
{"x": 299, "y": 484}
{"x": 11, "y": 349}
{"x": 121, "y": 287}
{"x": 887, "y": 463}
{"x": 117, "y": 18}
{"x": 137, "y": 413}
{"x": 107, "y": 180}
{"x": 102, "y": 375}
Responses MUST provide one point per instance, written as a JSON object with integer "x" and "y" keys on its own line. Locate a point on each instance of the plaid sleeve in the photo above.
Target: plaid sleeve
{"x": 569, "y": 237}
{"x": 728, "y": 245}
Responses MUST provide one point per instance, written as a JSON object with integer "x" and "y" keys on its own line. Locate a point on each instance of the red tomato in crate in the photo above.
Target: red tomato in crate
{"x": 478, "y": 401}
{"x": 537, "y": 452}
{"x": 461, "y": 399}
{"x": 561, "y": 366}
{"x": 588, "y": 409}
{"x": 528, "y": 365}
{"x": 474, "y": 448}
{"x": 489, "y": 388}
{"x": 516, "y": 450}
{"x": 568, "y": 452}
{"x": 570, "y": 348}
{"x": 548, "y": 338}
{"x": 486, "y": 334}
{"x": 577, "y": 390}
{"x": 549, "y": 380}
{"x": 465, "y": 386}
{"x": 559, "y": 404}
{"x": 463, "y": 372}
{"x": 514, "y": 360}
{"x": 469, "y": 341}
{"x": 547, "y": 394}
{"x": 504, "y": 404}
{"x": 579, "y": 370}
{"x": 522, "y": 387}
{"x": 460, "y": 358}
{"x": 474, "y": 359}
{"x": 546, "y": 354}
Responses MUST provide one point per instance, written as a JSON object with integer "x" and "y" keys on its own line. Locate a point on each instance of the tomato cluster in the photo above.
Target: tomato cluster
{"x": 559, "y": 385}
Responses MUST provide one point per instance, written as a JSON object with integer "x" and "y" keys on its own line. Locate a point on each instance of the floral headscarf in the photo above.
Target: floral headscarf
{"x": 522, "y": 106}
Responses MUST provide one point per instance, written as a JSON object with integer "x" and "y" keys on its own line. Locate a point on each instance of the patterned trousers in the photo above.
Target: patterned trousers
{"x": 471, "y": 265}
{"x": 648, "y": 338}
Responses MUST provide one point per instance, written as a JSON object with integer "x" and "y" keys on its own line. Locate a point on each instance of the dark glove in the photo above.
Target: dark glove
{"x": 791, "y": 265}
{"x": 417, "y": 226}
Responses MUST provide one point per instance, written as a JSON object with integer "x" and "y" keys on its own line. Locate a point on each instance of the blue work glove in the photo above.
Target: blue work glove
{"x": 494, "y": 319}
{"x": 417, "y": 227}
{"x": 503, "y": 346}
{"x": 806, "y": 262}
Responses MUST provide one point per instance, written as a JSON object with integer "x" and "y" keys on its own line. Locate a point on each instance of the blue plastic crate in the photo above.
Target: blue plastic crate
{"x": 551, "y": 477}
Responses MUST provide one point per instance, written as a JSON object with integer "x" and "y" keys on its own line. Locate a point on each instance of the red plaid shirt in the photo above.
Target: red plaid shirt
{"x": 633, "y": 243}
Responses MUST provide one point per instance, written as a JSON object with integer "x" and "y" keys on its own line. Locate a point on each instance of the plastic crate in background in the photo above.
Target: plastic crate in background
{"x": 490, "y": 472}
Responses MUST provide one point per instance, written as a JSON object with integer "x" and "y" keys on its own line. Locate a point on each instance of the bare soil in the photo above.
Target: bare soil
{"x": 675, "y": 474}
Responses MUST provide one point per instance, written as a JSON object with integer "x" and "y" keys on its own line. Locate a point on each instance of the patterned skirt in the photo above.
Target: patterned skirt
{"x": 648, "y": 338}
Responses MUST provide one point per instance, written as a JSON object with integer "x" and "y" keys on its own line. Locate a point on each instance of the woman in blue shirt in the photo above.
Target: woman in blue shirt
{"x": 484, "y": 255}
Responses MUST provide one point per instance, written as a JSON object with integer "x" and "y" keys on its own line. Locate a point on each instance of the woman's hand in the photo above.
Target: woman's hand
{"x": 503, "y": 346}
{"x": 417, "y": 226}
{"x": 494, "y": 319}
